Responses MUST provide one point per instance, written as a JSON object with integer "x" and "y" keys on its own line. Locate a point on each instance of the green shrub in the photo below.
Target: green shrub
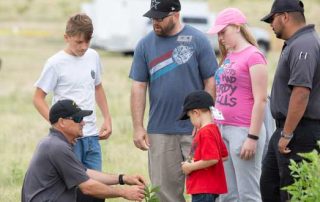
{"x": 150, "y": 193}
{"x": 306, "y": 174}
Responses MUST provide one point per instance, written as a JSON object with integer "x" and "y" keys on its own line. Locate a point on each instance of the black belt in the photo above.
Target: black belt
{"x": 280, "y": 122}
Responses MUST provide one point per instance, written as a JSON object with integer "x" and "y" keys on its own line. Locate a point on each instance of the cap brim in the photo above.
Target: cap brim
{"x": 82, "y": 113}
{"x": 156, "y": 14}
{"x": 215, "y": 29}
{"x": 183, "y": 116}
{"x": 267, "y": 18}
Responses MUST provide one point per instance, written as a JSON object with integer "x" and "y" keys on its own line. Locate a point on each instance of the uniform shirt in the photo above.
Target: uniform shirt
{"x": 299, "y": 65}
{"x": 173, "y": 66}
{"x": 234, "y": 86}
{"x": 54, "y": 172}
{"x": 208, "y": 145}
{"x": 75, "y": 78}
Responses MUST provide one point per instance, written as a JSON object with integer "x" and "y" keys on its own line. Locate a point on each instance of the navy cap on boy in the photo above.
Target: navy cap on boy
{"x": 196, "y": 100}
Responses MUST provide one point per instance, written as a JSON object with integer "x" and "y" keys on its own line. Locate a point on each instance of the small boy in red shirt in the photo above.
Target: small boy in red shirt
{"x": 205, "y": 173}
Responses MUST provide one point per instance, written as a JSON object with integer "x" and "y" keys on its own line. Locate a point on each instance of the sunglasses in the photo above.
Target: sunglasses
{"x": 161, "y": 19}
{"x": 274, "y": 16}
{"x": 75, "y": 119}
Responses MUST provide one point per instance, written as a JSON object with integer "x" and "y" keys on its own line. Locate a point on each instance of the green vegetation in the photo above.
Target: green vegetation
{"x": 306, "y": 175}
{"x": 150, "y": 193}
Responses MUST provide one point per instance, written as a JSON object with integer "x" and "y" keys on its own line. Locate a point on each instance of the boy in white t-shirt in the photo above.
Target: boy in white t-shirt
{"x": 75, "y": 73}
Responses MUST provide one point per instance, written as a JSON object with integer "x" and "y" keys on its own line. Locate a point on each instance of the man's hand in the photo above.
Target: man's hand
{"x": 134, "y": 193}
{"x": 282, "y": 145}
{"x": 186, "y": 167}
{"x": 248, "y": 149}
{"x": 134, "y": 180}
{"x": 105, "y": 130}
{"x": 140, "y": 139}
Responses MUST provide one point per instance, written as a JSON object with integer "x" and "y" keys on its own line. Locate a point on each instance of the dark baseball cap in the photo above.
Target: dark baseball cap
{"x": 280, "y": 6}
{"x": 66, "y": 108}
{"x": 196, "y": 100}
{"x": 162, "y": 8}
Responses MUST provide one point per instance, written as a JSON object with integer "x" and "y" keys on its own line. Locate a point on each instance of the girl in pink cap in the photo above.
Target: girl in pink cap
{"x": 241, "y": 95}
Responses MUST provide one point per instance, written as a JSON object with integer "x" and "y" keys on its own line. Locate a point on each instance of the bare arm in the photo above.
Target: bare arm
{"x": 40, "y": 103}
{"x": 259, "y": 83}
{"x": 106, "y": 128}
{"x": 297, "y": 106}
{"x": 209, "y": 86}
{"x": 100, "y": 190}
{"x": 188, "y": 167}
{"x": 110, "y": 179}
{"x": 138, "y": 105}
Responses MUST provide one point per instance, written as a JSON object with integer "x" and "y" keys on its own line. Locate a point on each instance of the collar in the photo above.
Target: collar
{"x": 303, "y": 30}
{"x": 56, "y": 133}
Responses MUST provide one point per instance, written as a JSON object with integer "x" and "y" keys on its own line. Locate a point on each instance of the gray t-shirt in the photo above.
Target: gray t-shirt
{"x": 173, "y": 66}
{"x": 54, "y": 172}
{"x": 299, "y": 65}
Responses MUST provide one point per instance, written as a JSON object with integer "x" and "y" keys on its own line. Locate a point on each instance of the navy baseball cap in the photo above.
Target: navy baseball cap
{"x": 196, "y": 100}
{"x": 280, "y": 6}
{"x": 162, "y": 8}
{"x": 66, "y": 108}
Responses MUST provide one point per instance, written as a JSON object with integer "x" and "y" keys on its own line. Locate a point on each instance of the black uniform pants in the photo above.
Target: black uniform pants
{"x": 275, "y": 170}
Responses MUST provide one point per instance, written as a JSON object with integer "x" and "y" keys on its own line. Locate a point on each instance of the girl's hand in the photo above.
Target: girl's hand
{"x": 248, "y": 149}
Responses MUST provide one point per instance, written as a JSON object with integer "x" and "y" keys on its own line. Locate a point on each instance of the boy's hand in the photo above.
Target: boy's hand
{"x": 105, "y": 130}
{"x": 186, "y": 167}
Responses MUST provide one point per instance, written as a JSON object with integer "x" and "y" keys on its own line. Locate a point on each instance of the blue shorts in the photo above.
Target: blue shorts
{"x": 88, "y": 151}
{"x": 204, "y": 197}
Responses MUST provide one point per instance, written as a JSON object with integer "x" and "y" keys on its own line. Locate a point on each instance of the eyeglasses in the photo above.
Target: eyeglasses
{"x": 75, "y": 119}
{"x": 161, "y": 19}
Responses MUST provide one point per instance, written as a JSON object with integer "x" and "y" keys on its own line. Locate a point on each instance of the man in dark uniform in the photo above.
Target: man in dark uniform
{"x": 294, "y": 98}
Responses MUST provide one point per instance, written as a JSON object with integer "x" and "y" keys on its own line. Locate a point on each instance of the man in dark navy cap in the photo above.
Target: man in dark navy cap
{"x": 171, "y": 61}
{"x": 54, "y": 173}
{"x": 295, "y": 97}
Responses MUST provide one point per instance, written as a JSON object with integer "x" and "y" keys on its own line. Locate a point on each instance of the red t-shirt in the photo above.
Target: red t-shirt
{"x": 208, "y": 145}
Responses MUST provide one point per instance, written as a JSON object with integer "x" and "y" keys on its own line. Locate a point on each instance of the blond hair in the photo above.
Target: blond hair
{"x": 246, "y": 34}
{"x": 80, "y": 24}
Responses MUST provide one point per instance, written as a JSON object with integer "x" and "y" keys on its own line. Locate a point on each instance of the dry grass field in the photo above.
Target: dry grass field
{"x": 30, "y": 32}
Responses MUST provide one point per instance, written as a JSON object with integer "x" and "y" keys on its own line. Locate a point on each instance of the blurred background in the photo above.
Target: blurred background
{"x": 32, "y": 30}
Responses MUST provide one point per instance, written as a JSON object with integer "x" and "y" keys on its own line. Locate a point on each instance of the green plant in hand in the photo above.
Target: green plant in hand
{"x": 306, "y": 176}
{"x": 150, "y": 193}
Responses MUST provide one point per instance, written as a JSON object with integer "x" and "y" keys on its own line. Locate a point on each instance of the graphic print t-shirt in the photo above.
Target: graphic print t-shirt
{"x": 233, "y": 86}
{"x": 173, "y": 66}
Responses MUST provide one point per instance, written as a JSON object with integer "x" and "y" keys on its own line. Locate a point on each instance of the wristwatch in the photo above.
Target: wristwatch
{"x": 286, "y": 136}
{"x": 121, "y": 181}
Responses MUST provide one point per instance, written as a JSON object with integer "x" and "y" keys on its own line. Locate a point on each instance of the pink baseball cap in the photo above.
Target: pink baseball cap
{"x": 226, "y": 17}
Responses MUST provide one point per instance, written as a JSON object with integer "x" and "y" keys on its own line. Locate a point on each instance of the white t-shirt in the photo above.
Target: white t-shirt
{"x": 71, "y": 77}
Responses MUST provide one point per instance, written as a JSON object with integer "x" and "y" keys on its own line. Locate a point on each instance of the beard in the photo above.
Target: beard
{"x": 279, "y": 31}
{"x": 164, "y": 30}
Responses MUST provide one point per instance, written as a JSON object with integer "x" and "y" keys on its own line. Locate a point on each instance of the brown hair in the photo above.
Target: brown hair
{"x": 80, "y": 24}
{"x": 245, "y": 33}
